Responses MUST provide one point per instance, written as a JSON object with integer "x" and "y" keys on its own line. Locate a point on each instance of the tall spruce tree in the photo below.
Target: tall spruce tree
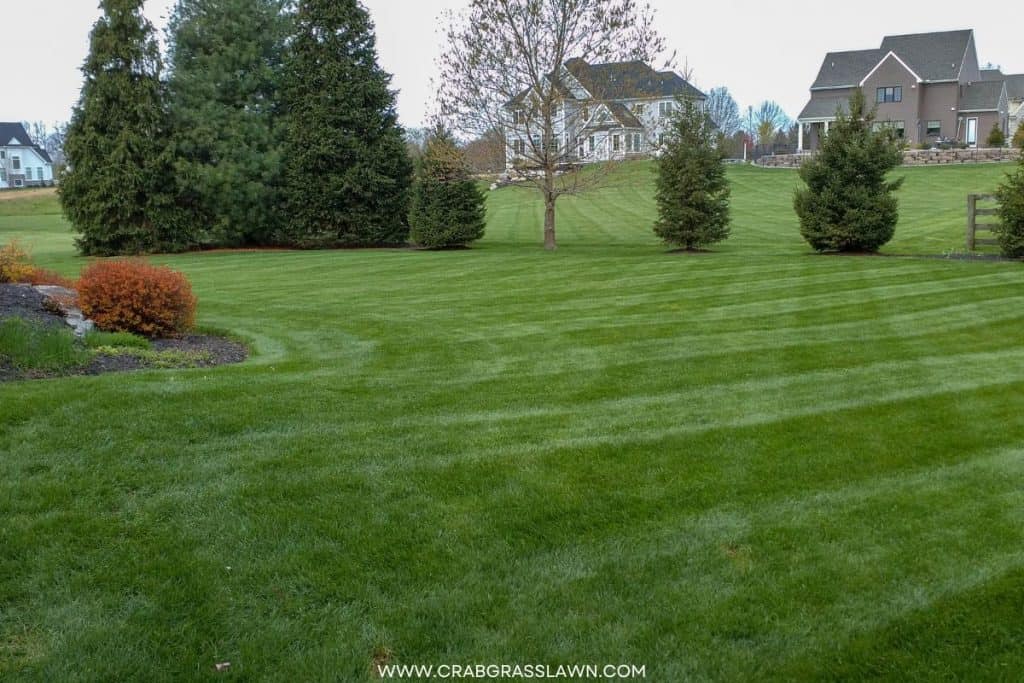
{"x": 120, "y": 191}
{"x": 448, "y": 209}
{"x": 225, "y": 59}
{"x": 347, "y": 172}
{"x": 692, "y": 191}
{"x": 1010, "y": 229}
{"x": 848, "y": 204}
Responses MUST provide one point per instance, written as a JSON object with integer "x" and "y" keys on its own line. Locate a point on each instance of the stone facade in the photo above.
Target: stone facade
{"x": 914, "y": 157}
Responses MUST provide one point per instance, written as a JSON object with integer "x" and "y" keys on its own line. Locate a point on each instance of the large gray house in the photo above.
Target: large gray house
{"x": 605, "y": 111}
{"x": 928, "y": 87}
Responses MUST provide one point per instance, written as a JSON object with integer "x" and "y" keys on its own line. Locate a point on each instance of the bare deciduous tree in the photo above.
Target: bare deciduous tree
{"x": 504, "y": 67}
{"x": 723, "y": 110}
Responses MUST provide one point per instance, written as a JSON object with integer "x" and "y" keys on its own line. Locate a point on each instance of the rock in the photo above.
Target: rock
{"x": 66, "y": 301}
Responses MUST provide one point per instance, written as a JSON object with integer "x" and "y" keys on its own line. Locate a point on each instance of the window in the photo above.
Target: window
{"x": 18, "y": 182}
{"x": 3, "y": 174}
{"x": 585, "y": 113}
{"x": 638, "y": 143}
{"x": 661, "y": 139}
{"x": 898, "y": 128}
{"x": 28, "y": 173}
{"x": 638, "y": 109}
{"x": 934, "y": 128}
{"x": 519, "y": 147}
{"x": 39, "y": 173}
{"x": 593, "y": 144}
{"x": 665, "y": 109}
{"x": 535, "y": 141}
{"x": 3, "y": 154}
{"x": 616, "y": 143}
{"x": 894, "y": 94}
{"x": 518, "y": 117}
{"x": 16, "y": 163}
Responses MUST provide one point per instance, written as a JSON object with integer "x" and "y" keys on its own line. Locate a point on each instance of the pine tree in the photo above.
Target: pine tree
{"x": 1010, "y": 230}
{"x": 692, "y": 191}
{"x": 120, "y": 191}
{"x": 848, "y": 205}
{"x": 225, "y": 59}
{"x": 448, "y": 209}
{"x": 347, "y": 173}
{"x": 996, "y": 137}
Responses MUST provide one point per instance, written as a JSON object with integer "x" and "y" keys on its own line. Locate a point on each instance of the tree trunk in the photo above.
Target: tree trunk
{"x": 549, "y": 210}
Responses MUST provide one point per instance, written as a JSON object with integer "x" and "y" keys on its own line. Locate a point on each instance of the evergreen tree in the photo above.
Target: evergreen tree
{"x": 448, "y": 209}
{"x": 692, "y": 191}
{"x": 848, "y": 205}
{"x": 1018, "y": 138}
{"x": 996, "y": 137}
{"x": 225, "y": 57}
{"x": 1010, "y": 231}
{"x": 347, "y": 173}
{"x": 120, "y": 191}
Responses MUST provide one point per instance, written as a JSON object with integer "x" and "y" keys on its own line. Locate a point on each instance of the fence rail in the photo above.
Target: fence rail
{"x": 973, "y": 226}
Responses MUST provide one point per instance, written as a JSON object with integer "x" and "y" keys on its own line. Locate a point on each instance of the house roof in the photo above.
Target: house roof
{"x": 824, "y": 108}
{"x": 629, "y": 80}
{"x": 992, "y": 75}
{"x": 1015, "y": 86}
{"x": 932, "y": 56}
{"x": 846, "y": 69}
{"x": 623, "y": 115}
{"x": 982, "y": 96}
{"x": 17, "y": 132}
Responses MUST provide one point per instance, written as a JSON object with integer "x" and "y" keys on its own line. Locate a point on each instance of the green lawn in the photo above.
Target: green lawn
{"x": 758, "y": 464}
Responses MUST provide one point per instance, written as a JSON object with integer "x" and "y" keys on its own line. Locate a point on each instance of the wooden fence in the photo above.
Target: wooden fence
{"x": 973, "y": 227}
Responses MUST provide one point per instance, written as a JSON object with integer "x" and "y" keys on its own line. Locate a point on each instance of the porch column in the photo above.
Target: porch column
{"x": 800, "y": 137}
{"x": 826, "y": 127}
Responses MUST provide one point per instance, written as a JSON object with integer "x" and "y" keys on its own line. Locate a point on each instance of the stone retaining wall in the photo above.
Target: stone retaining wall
{"x": 914, "y": 157}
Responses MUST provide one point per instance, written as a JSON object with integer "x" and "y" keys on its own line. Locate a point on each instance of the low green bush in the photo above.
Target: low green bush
{"x": 97, "y": 339}
{"x": 31, "y": 346}
{"x": 1010, "y": 230}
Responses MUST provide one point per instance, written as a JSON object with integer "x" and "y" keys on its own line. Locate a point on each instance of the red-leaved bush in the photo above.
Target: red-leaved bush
{"x": 42, "y": 276}
{"x": 135, "y": 296}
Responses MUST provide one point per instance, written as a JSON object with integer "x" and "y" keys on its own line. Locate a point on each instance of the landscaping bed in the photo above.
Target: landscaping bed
{"x": 35, "y": 343}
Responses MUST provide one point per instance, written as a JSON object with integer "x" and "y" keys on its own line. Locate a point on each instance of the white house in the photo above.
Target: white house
{"x": 22, "y": 163}
{"x": 605, "y": 112}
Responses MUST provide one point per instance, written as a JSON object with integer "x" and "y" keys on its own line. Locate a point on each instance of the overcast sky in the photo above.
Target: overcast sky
{"x": 758, "y": 50}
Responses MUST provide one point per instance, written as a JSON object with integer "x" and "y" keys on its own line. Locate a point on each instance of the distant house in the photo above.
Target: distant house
{"x": 22, "y": 162}
{"x": 928, "y": 88}
{"x": 606, "y": 112}
{"x": 1014, "y": 95}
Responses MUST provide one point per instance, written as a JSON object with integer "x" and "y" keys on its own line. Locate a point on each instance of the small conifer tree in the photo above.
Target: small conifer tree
{"x": 448, "y": 209}
{"x": 848, "y": 204}
{"x": 692, "y": 191}
{"x": 996, "y": 137}
{"x": 1010, "y": 231}
{"x": 1018, "y": 138}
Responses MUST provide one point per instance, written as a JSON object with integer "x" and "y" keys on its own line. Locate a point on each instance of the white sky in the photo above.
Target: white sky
{"x": 758, "y": 50}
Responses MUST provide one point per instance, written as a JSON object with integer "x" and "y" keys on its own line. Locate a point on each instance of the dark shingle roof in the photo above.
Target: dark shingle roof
{"x": 932, "y": 56}
{"x": 17, "y": 132}
{"x": 1015, "y": 86}
{"x": 629, "y": 80}
{"x": 982, "y": 96}
{"x": 623, "y": 115}
{"x": 846, "y": 69}
{"x": 992, "y": 75}
{"x": 825, "y": 107}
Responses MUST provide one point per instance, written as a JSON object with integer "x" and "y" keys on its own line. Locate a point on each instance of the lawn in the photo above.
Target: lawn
{"x": 757, "y": 464}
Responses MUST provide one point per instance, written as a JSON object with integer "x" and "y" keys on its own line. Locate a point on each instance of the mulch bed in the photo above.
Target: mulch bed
{"x": 25, "y": 302}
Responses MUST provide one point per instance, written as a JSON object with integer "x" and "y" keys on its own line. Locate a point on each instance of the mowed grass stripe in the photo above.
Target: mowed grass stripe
{"x": 734, "y": 466}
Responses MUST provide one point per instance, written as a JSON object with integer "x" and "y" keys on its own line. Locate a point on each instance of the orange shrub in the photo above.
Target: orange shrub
{"x": 42, "y": 276}
{"x": 135, "y": 296}
{"x": 14, "y": 263}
